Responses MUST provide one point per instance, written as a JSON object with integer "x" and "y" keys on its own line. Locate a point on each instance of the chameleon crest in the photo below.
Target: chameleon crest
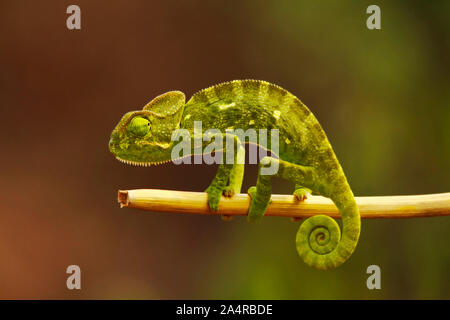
{"x": 305, "y": 156}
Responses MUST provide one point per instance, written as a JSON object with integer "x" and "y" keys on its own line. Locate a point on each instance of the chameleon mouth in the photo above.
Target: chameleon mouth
{"x": 141, "y": 164}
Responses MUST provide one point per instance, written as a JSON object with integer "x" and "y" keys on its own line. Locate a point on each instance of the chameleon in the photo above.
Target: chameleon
{"x": 305, "y": 156}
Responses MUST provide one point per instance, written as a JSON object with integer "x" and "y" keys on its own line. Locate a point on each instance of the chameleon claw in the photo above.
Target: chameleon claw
{"x": 229, "y": 192}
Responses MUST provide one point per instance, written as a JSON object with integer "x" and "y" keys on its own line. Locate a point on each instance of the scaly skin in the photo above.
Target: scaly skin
{"x": 305, "y": 155}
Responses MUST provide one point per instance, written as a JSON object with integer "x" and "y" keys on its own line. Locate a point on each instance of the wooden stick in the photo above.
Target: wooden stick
{"x": 429, "y": 205}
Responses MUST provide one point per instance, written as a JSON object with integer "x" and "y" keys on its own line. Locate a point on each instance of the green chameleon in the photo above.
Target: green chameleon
{"x": 305, "y": 155}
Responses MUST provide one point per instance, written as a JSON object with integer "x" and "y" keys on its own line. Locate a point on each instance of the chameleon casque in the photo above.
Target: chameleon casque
{"x": 305, "y": 157}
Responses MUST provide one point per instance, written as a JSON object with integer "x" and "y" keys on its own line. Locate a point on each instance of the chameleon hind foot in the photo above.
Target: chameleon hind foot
{"x": 301, "y": 193}
{"x": 214, "y": 195}
{"x": 258, "y": 204}
{"x": 251, "y": 192}
{"x": 261, "y": 195}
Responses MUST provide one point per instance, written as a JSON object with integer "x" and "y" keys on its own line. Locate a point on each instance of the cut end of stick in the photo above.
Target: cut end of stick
{"x": 122, "y": 198}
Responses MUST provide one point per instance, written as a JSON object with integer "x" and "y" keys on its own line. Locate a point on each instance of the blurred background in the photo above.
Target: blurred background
{"x": 382, "y": 97}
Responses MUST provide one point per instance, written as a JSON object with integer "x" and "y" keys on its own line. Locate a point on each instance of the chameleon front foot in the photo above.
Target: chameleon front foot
{"x": 214, "y": 195}
{"x": 226, "y": 217}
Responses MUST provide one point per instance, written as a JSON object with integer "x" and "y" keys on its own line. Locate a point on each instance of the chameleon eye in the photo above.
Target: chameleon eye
{"x": 139, "y": 126}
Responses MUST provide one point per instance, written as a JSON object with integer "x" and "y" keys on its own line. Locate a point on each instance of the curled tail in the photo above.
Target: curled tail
{"x": 319, "y": 242}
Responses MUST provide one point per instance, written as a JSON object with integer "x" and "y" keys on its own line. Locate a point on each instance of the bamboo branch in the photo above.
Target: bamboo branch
{"x": 429, "y": 205}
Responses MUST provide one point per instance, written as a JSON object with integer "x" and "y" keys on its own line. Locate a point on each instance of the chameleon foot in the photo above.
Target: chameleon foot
{"x": 251, "y": 192}
{"x": 301, "y": 194}
{"x": 258, "y": 204}
{"x": 214, "y": 195}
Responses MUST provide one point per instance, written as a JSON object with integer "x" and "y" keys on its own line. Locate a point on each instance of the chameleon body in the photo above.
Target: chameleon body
{"x": 305, "y": 157}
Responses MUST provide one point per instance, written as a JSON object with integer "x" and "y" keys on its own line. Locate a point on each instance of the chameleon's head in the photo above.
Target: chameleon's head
{"x": 143, "y": 137}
